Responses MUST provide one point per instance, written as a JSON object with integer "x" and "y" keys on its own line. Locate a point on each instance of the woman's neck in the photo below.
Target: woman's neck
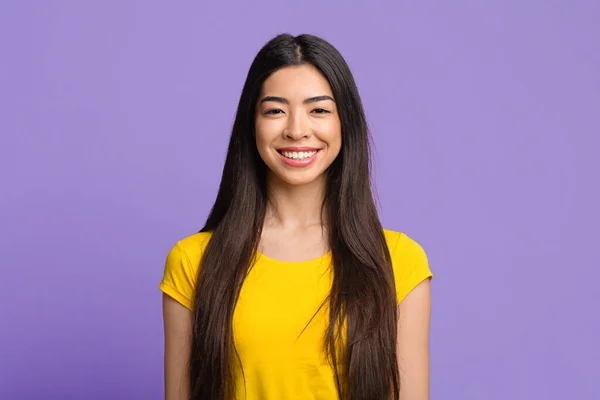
{"x": 295, "y": 206}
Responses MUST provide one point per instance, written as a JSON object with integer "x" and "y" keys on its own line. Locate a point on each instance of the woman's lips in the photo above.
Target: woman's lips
{"x": 298, "y": 156}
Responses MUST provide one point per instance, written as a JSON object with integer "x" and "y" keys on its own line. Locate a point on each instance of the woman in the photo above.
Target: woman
{"x": 293, "y": 290}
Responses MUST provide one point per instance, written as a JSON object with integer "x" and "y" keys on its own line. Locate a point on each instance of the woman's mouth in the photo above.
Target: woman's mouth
{"x": 300, "y": 158}
{"x": 298, "y": 155}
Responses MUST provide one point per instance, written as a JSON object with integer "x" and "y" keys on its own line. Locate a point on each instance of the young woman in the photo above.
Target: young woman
{"x": 293, "y": 289}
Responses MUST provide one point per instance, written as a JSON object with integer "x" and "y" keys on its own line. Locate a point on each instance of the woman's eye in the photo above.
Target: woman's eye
{"x": 320, "y": 111}
{"x": 273, "y": 111}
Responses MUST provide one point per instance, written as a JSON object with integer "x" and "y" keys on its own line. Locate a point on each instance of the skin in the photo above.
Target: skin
{"x": 303, "y": 114}
{"x": 297, "y": 108}
{"x": 177, "y": 322}
{"x": 414, "y": 315}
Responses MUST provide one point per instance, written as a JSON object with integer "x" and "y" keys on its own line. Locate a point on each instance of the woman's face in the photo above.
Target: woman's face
{"x": 298, "y": 129}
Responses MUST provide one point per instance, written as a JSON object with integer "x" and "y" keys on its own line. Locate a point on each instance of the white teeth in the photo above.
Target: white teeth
{"x": 298, "y": 155}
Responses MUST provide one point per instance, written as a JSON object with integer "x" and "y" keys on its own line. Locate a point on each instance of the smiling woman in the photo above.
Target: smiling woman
{"x": 298, "y": 130}
{"x": 293, "y": 289}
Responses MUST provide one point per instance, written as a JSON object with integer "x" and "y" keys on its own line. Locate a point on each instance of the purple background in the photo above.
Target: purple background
{"x": 114, "y": 122}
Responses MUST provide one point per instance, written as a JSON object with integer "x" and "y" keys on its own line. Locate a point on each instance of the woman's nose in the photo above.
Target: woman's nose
{"x": 297, "y": 127}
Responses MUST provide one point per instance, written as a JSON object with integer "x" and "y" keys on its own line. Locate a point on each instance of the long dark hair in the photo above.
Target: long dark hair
{"x": 362, "y": 295}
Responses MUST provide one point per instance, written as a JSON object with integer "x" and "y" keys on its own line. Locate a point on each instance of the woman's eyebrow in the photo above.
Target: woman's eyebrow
{"x": 283, "y": 100}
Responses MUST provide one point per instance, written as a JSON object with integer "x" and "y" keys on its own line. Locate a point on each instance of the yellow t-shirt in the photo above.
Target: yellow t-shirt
{"x": 276, "y": 302}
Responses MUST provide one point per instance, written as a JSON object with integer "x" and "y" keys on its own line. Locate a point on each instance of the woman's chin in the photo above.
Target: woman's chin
{"x": 297, "y": 178}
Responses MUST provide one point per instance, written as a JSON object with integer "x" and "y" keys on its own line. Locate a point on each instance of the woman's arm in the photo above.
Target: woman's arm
{"x": 178, "y": 327}
{"x": 414, "y": 315}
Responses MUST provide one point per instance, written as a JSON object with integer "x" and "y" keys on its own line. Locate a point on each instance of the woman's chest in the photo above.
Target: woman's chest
{"x": 282, "y": 312}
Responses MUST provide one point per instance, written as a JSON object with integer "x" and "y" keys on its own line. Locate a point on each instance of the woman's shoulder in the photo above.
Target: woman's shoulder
{"x": 399, "y": 241}
{"x": 192, "y": 246}
{"x": 181, "y": 267}
{"x": 409, "y": 261}
{"x": 185, "y": 255}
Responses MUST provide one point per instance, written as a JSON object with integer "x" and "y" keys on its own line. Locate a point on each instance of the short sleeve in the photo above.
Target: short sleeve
{"x": 178, "y": 279}
{"x": 410, "y": 264}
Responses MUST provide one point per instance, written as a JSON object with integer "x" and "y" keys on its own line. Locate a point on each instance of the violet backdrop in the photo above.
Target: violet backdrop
{"x": 114, "y": 121}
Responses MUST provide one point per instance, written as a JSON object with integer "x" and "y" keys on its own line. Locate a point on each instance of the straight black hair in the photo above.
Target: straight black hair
{"x": 362, "y": 297}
